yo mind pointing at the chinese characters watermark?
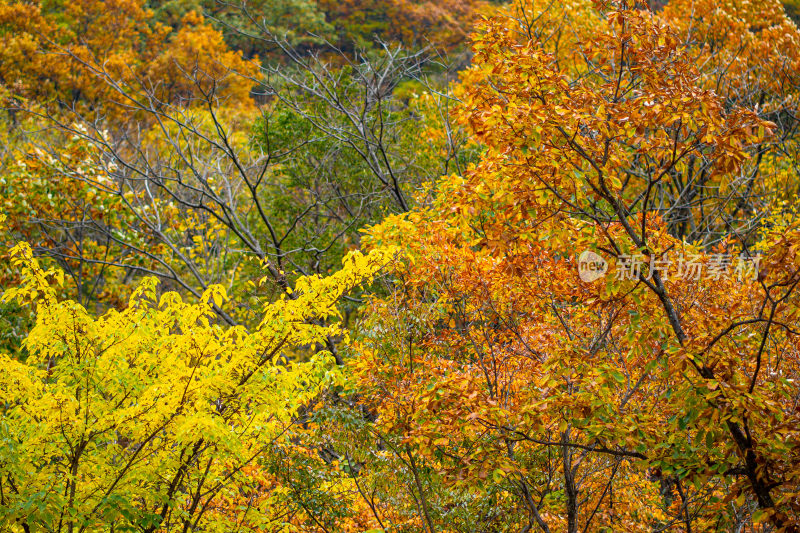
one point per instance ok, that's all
(691, 267)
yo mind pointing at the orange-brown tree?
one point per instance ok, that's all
(653, 398)
(57, 53)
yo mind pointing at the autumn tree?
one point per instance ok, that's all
(590, 324)
(207, 191)
(444, 25)
(647, 399)
(54, 52)
(152, 418)
(54, 183)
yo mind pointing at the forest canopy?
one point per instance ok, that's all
(394, 266)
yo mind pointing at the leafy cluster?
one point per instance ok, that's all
(191, 340)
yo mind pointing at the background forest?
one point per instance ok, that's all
(319, 266)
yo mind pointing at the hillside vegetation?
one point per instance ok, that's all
(393, 266)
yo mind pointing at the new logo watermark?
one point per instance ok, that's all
(591, 266)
